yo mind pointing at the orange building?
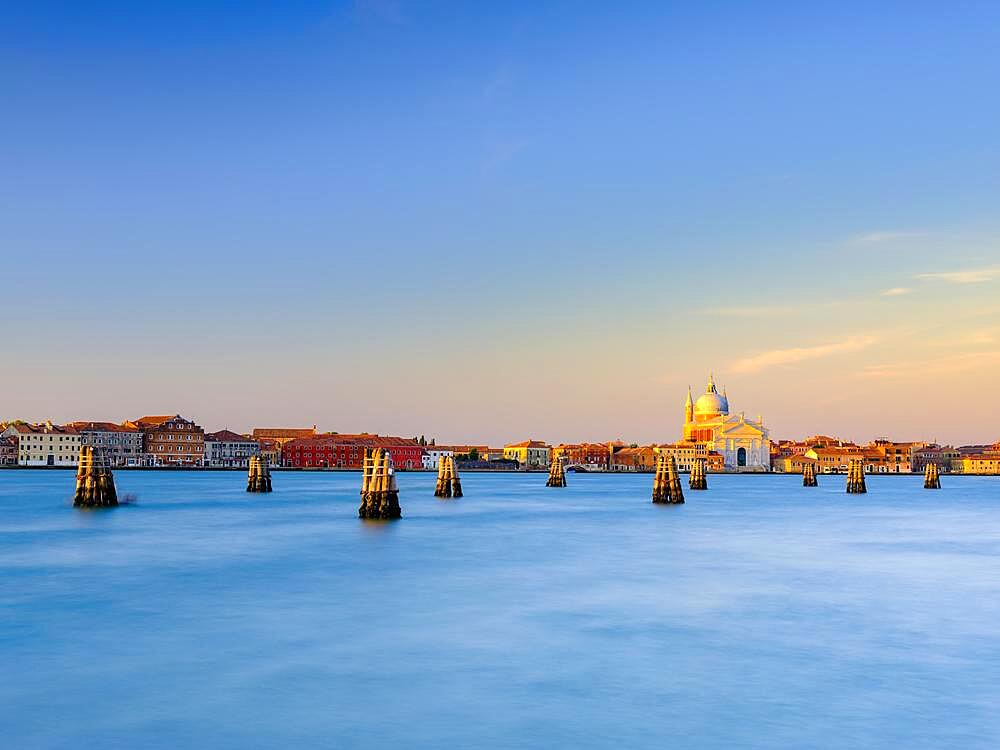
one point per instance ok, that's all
(639, 458)
(591, 455)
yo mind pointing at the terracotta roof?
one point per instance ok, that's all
(23, 428)
(284, 432)
(527, 444)
(227, 436)
(363, 440)
(102, 427)
(153, 421)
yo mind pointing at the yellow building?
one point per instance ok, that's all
(531, 454)
(977, 463)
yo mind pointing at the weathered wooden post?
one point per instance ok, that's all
(379, 494)
(809, 475)
(456, 483)
(856, 477)
(95, 484)
(557, 473)
(699, 478)
(448, 483)
(932, 479)
(258, 475)
(667, 482)
(443, 486)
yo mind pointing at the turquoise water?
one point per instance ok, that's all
(758, 615)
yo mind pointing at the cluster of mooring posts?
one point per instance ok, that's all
(95, 485)
(667, 482)
(259, 475)
(699, 478)
(448, 483)
(809, 476)
(557, 474)
(856, 477)
(379, 494)
(932, 480)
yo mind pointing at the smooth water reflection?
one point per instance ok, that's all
(759, 614)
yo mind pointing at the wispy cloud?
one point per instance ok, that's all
(896, 291)
(930, 368)
(968, 276)
(764, 311)
(777, 357)
(878, 238)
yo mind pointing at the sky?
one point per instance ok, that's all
(493, 221)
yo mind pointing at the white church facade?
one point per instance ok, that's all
(744, 444)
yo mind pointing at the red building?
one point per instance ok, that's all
(348, 451)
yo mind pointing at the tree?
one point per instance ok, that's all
(473, 454)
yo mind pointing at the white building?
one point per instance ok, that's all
(745, 444)
(45, 444)
(227, 448)
(121, 444)
(432, 456)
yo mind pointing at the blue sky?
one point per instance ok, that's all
(490, 221)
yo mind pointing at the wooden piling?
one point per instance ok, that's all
(557, 473)
(932, 477)
(443, 486)
(699, 477)
(379, 493)
(448, 483)
(258, 475)
(95, 484)
(856, 477)
(809, 475)
(667, 481)
(456, 483)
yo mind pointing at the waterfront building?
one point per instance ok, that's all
(8, 450)
(45, 444)
(743, 444)
(978, 463)
(228, 448)
(172, 440)
(433, 454)
(348, 451)
(896, 458)
(687, 452)
(530, 454)
(282, 435)
(591, 456)
(634, 458)
(940, 456)
(795, 464)
(120, 444)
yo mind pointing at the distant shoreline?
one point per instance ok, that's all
(335, 470)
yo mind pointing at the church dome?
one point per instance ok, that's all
(710, 403)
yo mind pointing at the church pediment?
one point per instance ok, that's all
(742, 429)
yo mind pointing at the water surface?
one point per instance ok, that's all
(758, 615)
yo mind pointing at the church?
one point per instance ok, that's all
(743, 443)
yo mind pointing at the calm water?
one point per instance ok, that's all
(760, 614)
